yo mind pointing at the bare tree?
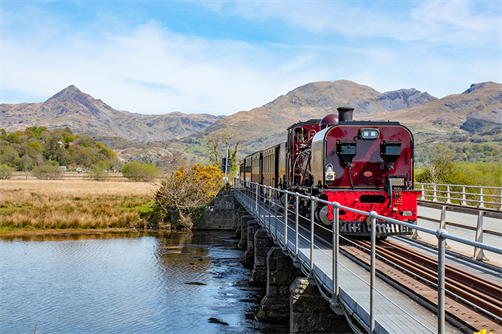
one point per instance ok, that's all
(218, 142)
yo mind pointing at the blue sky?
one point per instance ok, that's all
(221, 57)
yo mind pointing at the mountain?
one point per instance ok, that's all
(475, 110)
(481, 101)
(85, 114)
(266, 125)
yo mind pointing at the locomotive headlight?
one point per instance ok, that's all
(370, 133)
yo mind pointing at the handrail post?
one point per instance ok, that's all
(448, 199)
(464, 197)
(270, 209)
(372, 277)
(481, 198)
(285, 221)
(336, 249)
(478, 252)
(434, 199)
(441, 280)
(442, 222)
(296, 226)
(275, 208)
(256, 203)
(270, 213)
(500, 208)
(311, 236)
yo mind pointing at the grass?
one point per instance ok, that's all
(29, 205)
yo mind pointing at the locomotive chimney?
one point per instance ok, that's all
(345, 114)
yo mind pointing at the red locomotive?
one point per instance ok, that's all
(364, 165)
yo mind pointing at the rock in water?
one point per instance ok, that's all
(217, 321)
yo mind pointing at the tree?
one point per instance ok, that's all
(5, 171)
(440, 167)
(217, 144)
(98, 172)
(26, 164)
(8, 154)
(136, 171)
(188, 188)
(47, 172)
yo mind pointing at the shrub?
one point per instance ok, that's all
(98, 172)
(47, 172)
(188, 189)
(5, 171)
(136, 171)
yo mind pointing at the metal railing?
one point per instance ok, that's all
(265, 205)
(465, 195)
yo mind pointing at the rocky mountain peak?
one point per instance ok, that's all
(475, 87)
(71, 95)
(403, 99)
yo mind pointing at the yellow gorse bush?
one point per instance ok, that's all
(190, 187)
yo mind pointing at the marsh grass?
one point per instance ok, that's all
(73, 204)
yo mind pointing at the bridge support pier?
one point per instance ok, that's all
(240, 213)
(280, 273)
(262, 244)
(243, 243)
(310, 312)
(248, 257)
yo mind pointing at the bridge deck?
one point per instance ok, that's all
(395, 312)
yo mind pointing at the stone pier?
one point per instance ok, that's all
(310, 312)
(248, 257)
(240, 212)
(243, 243)
(262, 244)
(281, 272)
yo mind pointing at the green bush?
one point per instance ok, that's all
(47, 172)
(5, 171)
(98, 172)
(136, 171)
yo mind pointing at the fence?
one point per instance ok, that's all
(465, 195)
(278, 211)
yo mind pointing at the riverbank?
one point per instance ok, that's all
(48, 207)
(9, 232)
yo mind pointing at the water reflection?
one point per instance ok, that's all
(139, 282)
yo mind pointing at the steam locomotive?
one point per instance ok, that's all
(364, 165)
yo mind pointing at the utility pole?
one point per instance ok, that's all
(226, 164)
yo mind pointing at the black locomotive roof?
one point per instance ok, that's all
(310, 121)
(368, 123)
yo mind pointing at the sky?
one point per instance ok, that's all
(221, 57)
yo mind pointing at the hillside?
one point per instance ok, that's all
(481, 101)
(87, 115)
(472, 116)
(266, 125)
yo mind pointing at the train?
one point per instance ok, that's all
(365, 165)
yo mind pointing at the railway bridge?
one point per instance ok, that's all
(411, 284)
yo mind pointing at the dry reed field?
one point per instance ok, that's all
(78, 204)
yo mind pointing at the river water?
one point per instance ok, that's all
(139, 282)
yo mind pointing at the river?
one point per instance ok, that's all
(137, 282)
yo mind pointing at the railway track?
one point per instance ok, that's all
(470, 297)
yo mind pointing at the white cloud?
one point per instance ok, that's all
(146, 67)
(149, 70)
(459, 23)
